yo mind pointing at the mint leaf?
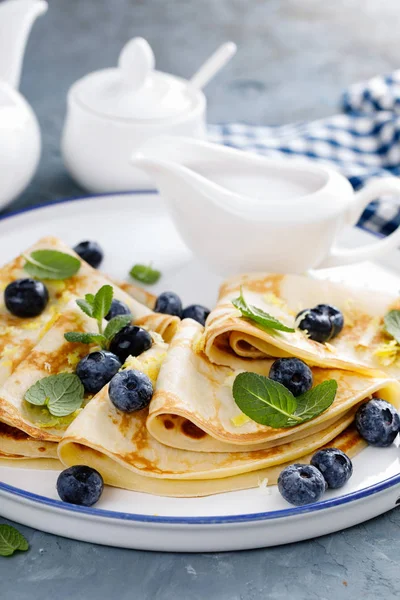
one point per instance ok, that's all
(145, 274)
(85, 307)
(262, 318)
(269, 403)
(315, 401)
(85, 338)
(116, 324)
(51, 264)
(62, 394)
(263, 400)
(102, 303)
(392, 324)
(90, 299)
(11, 540)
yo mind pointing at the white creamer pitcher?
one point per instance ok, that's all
(239, 212)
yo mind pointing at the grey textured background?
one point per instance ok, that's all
(295, 57)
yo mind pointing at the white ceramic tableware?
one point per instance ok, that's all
(113, 111)
(19, 129)
(239, 212)
(232, 521)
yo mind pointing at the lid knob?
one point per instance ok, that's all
(136, 62)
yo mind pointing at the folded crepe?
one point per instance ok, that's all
(33, 348)
(186, 444)
(363, 346)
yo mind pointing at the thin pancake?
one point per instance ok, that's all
(234, 341)
(120, 446)
(193, 407)
(18, 444)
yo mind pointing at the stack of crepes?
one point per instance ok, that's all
(193, 440)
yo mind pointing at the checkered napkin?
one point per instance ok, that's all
(362, 143)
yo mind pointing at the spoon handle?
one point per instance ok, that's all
(213, 64)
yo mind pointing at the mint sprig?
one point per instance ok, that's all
(270, 403)
(11, 540)
(62, 394)
(259, 316)
(97, 307)
(392, 324)
(145, 274)
(51, 264)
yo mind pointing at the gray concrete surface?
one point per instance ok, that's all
(295, 57)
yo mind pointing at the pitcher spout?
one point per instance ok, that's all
(16, 20)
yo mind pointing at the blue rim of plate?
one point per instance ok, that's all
(217, 520)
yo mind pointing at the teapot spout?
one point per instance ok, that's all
(16, 20)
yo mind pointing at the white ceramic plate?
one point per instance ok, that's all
(136, 228)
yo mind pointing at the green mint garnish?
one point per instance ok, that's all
(116, 324)
(51, 264)
(270, 403)
(11, 540)
(62, 394)
(262, 318)
(97, 307)
(85, 338)
(145, 274)
(392, 324)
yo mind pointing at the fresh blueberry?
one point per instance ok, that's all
(169, 303)
(378, 422)
(318, 326)
(196, 312)
(130, 341)
(334, 315)
(91, 252)
(301, 484)
(335, 466)
(293, 373)
(80, 485)
(117, 308)
(26, 297)
(96, 369)
(130, 390)
(322, 323)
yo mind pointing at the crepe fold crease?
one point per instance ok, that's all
(234, 341)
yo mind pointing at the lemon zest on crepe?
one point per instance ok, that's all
(387, 352)
(150, 367)
(240, 420)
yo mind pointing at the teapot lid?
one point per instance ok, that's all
(134, 90)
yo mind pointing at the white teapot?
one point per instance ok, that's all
(19, 129)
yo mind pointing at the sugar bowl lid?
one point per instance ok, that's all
(135, 90)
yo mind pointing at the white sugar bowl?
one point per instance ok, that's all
(111, 113)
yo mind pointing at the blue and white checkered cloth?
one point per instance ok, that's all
(362, 143)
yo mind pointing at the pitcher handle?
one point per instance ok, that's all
(343, 256)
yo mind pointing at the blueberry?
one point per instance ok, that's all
(26, 297)
(322, 323)
(293, 373)
(91, 252)
(318, 326)
(335, 466)
(130, 390)
(130, 341)
(378, 422)
(334, 315)
(80, 485)
(196, 312)
(117, 308)
(169, 303)
(96, 369)
(301, 484)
